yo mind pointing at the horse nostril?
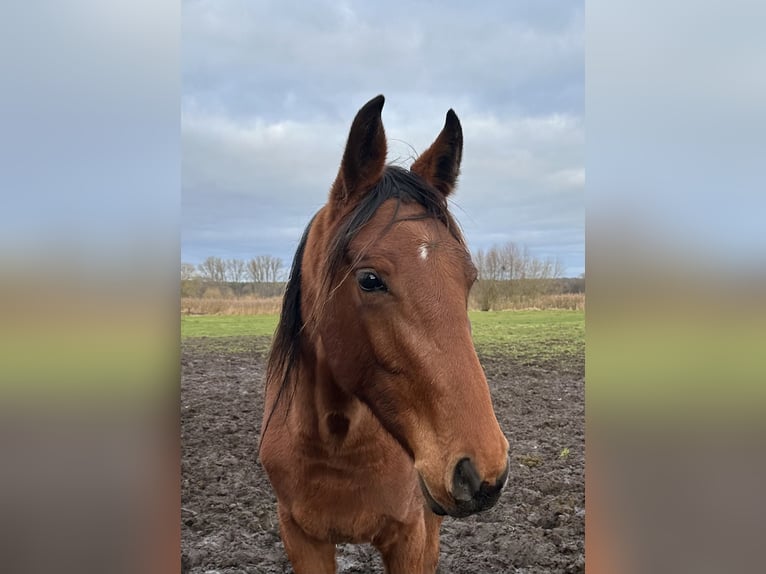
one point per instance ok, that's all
(465, 481)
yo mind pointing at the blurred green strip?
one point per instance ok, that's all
(88, 363)
(654, 364)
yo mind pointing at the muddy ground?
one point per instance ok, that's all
(228, 515)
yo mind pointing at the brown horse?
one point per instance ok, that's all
(378, 418)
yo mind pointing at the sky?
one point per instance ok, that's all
(269, 90)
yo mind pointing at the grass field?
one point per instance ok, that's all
(534, 337)
(228, 325)
(551, 338)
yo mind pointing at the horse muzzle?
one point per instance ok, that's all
(469, 493)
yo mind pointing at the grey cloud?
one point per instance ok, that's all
(269, 97)
(269, 58)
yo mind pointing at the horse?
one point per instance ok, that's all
(378, 420)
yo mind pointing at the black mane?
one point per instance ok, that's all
(396, 183)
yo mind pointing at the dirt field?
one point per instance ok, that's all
(228, 509)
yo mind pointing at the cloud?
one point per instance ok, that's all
(267, 58)
(269, 95)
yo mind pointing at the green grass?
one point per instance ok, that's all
(543, 338)
(679, 363)
(228, 326)
(551, 339)
(229, 333)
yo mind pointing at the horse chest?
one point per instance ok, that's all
(345, 500)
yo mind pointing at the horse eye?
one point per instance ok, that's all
(369, 281)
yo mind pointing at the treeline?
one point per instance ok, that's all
(509, 277)
(261, 276)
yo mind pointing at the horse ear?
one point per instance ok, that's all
(365, 156)
(439, 165)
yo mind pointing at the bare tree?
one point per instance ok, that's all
(486, 288)
(510, 271)
(256, 270)
(252, 271)
(488, 264)
(511, 259)
(235, 272)
(275, 267)
(213, 269)
(191, 282)
(188, 271)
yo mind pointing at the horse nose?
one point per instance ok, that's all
(465, 481)
(467, 486)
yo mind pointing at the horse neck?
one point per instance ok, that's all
(321, 409)
(321, 400)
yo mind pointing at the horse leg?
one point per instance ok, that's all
(307, 555)
(433, 524)
(402, 548)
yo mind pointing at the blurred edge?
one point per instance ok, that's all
(676, 272)
(89, 363)
(89, 328)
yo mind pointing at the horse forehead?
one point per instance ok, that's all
(399, 222)
(397, 209)
(403, 231)
(429, 247)
(419, 237)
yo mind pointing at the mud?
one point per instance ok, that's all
(228, 515)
